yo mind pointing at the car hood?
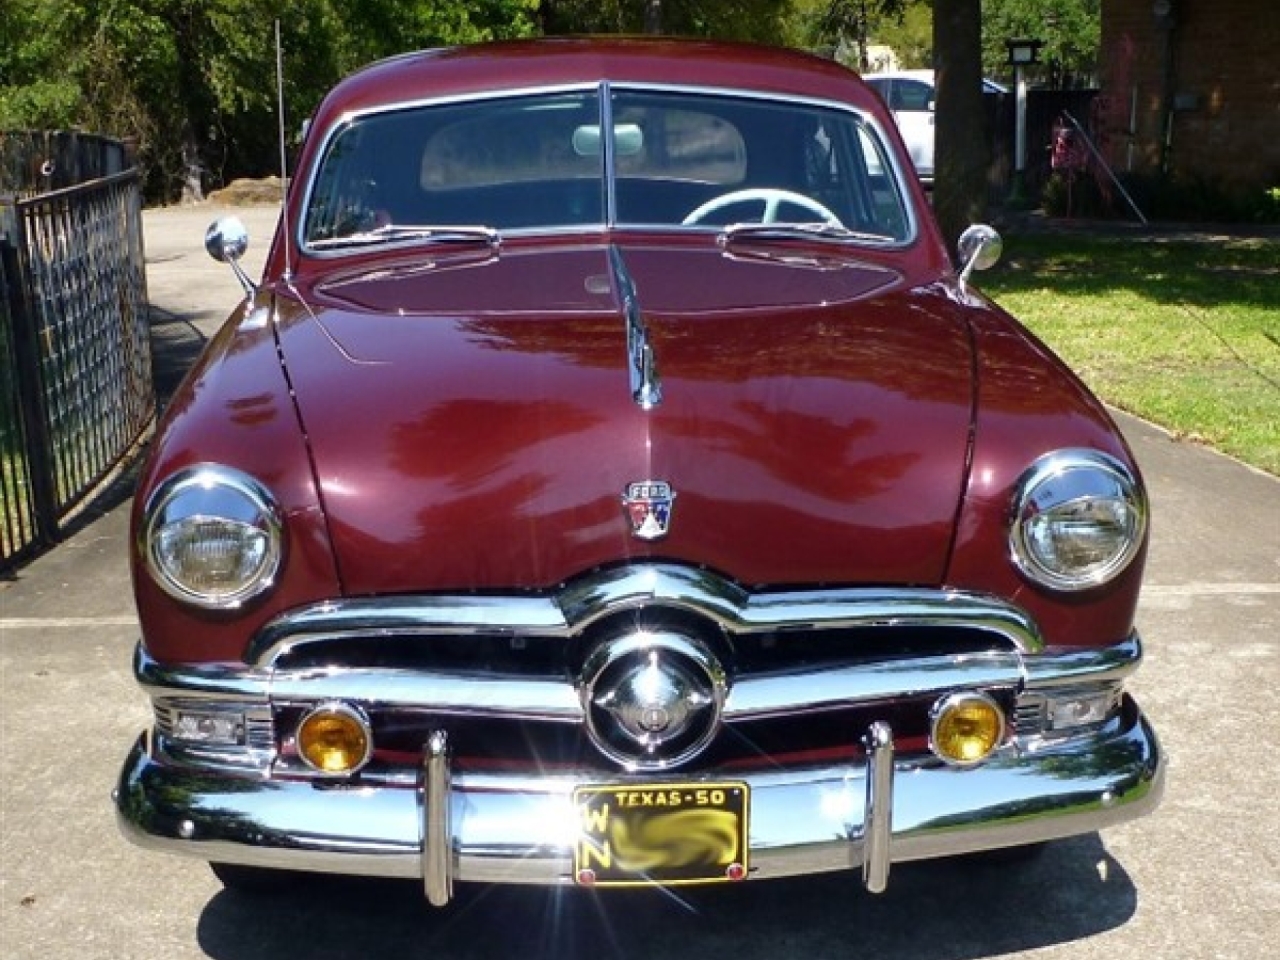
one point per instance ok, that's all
(472, 424)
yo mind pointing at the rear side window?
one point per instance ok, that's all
(663, 140)
(880, 85)
(912, 96)
(487, 144)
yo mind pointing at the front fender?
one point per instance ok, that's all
(1029, 404)
(235, 408)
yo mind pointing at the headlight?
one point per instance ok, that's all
(1079, 517)
(212, 536)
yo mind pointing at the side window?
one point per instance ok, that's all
(344, 198)
(887, 210)
(884, 87)
(912, 95)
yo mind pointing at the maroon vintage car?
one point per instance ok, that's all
(611, 482)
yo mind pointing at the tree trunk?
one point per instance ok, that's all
(961, 150)
(653, 17)
(192, 167)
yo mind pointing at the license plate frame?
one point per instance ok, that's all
(661, 833)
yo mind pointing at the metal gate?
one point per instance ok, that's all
(76, 392)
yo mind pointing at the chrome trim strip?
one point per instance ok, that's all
(454, 694)
(608, 150)
(206, 681)
(1070, 666)
(388, 616)
(837, 686)
(437, 821)
(886, 153)
(512, 828)
(556, 700)
(579, 604)
(877, 829)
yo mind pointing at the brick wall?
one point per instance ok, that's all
(1200, 99)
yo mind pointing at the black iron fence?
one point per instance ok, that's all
(76, 392)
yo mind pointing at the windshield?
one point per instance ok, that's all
(540, 162)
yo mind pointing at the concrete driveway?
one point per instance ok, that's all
(1199, 879)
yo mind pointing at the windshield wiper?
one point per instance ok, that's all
(799, 231)
(395, 233)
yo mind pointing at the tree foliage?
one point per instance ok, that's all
(909, 35)
(759, 20)
(844, 28)
(1069, 29)
(193, 81)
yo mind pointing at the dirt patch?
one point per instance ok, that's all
(240, 193)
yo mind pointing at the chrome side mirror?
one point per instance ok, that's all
(226, 240)
(979, 248)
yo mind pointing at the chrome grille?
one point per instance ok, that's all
(807, 669)
(164, 719)
(259, 729)
(1029, 715)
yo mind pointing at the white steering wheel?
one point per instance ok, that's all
(772, 197)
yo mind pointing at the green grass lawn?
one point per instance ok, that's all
(1185, 333)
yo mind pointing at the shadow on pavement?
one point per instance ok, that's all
(944, 911)
(175, 345)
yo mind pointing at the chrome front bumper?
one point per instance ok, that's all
(458, 825)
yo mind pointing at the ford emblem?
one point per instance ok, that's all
(648, 505)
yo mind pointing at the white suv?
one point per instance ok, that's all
(909, 94)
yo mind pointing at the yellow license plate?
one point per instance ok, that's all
(661, 833)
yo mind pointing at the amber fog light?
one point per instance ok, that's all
(335, 739)
(965, 728)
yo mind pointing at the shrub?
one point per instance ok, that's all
(1193, 198)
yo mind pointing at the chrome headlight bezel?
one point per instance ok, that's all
(227, 504)
(1090, 491)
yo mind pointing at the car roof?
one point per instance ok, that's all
(530, 64)
(927, 76)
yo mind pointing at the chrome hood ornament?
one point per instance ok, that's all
(648, 505)
(646, 384)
